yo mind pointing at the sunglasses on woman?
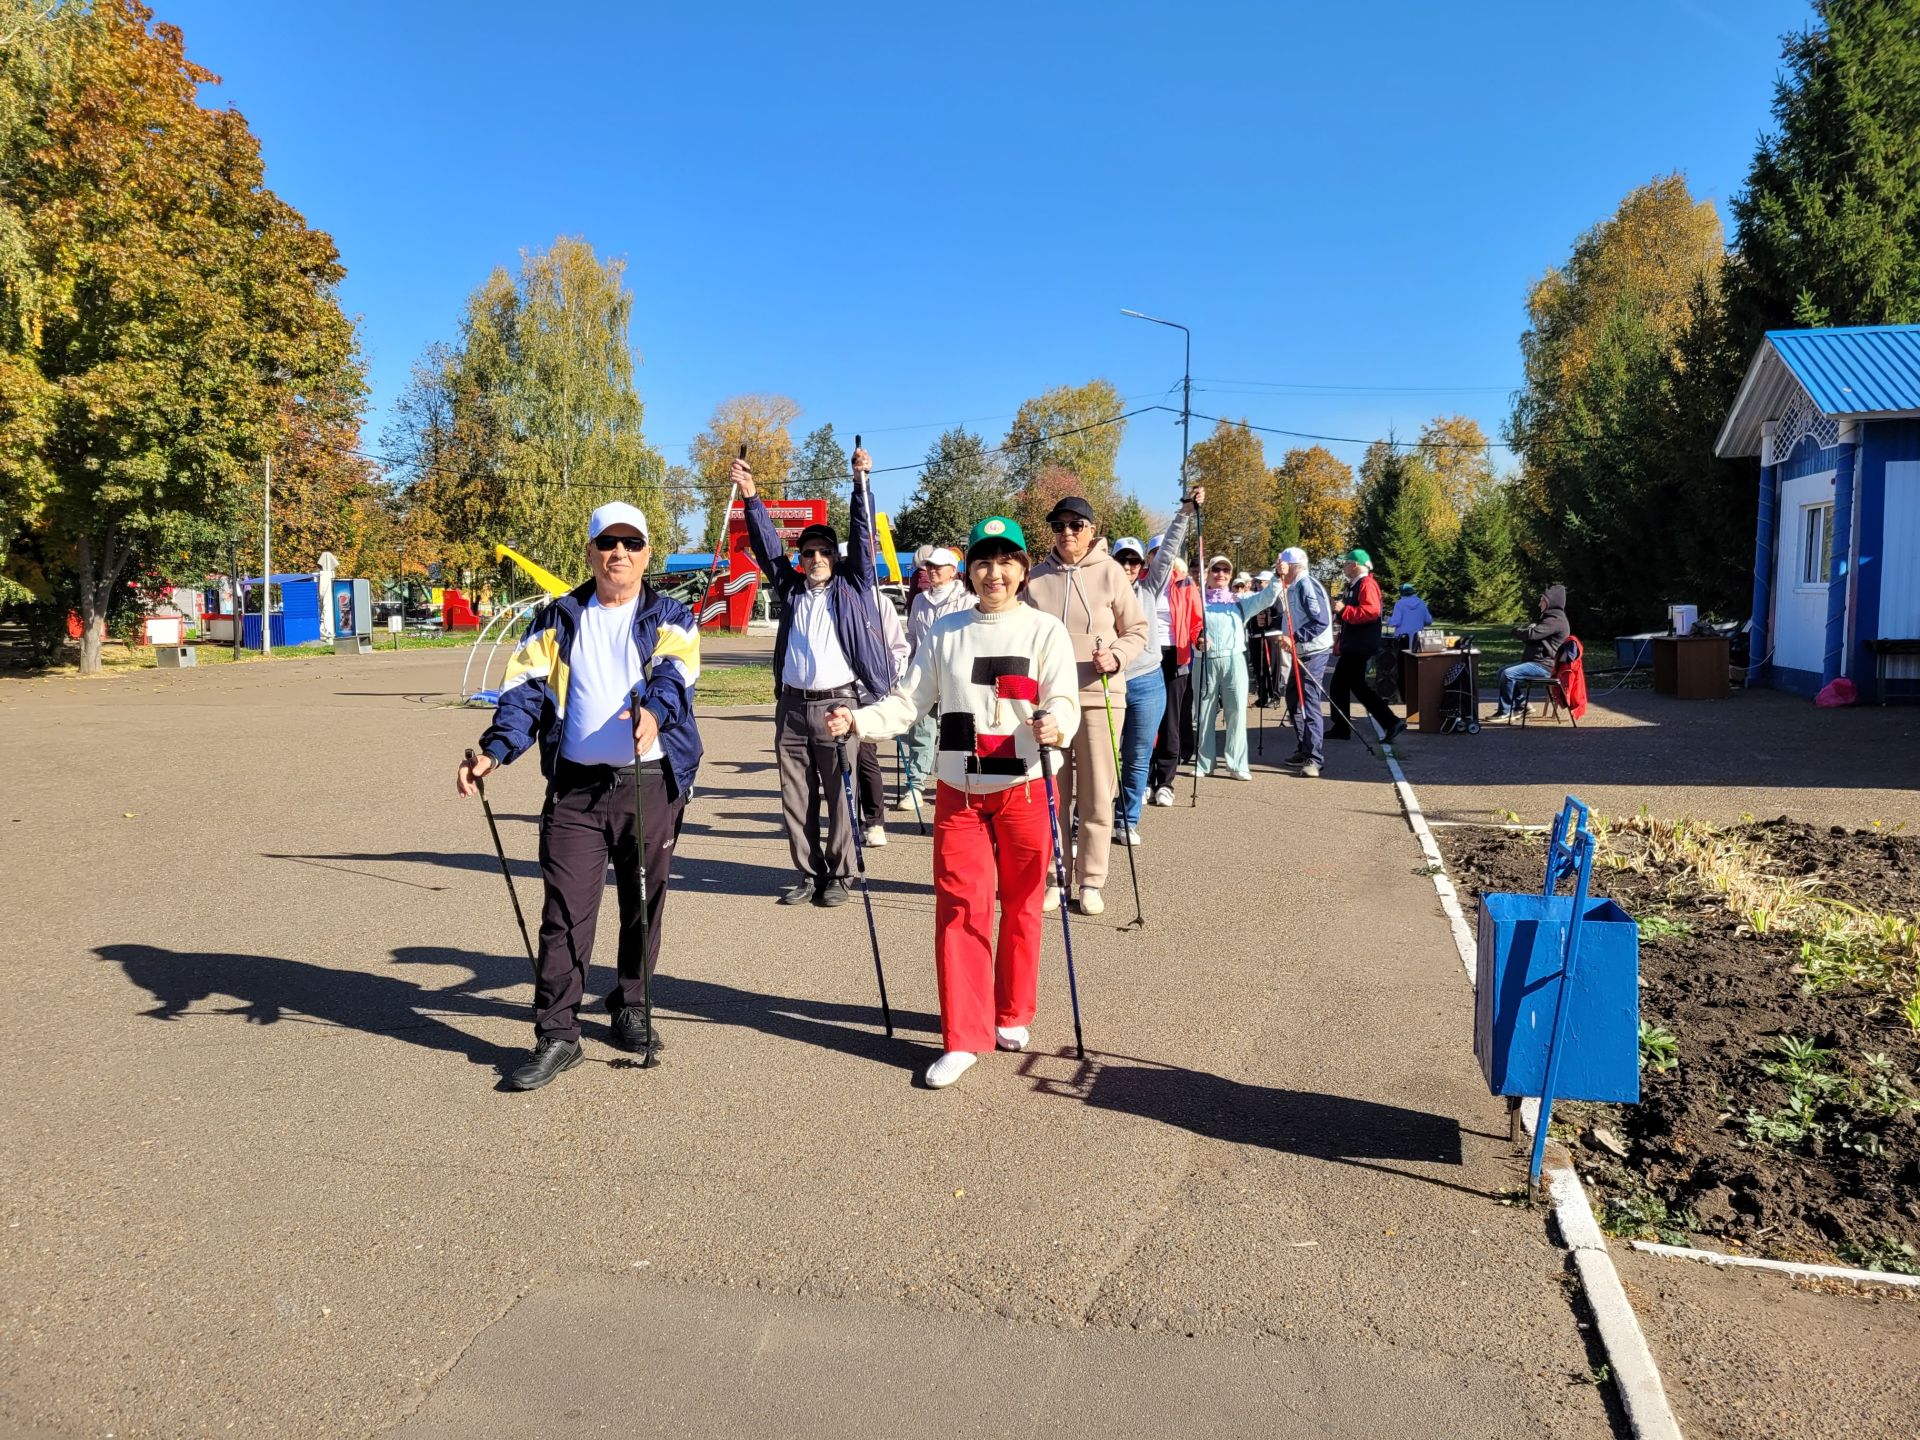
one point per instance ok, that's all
(632, 544)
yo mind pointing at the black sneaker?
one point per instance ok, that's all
(1395, 731)
(630, 1031)
(799, 894)
(550, 1057)
(1298, 757)
(833, 893)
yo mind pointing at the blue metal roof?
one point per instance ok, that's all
(1857, 370)
(1853, 372)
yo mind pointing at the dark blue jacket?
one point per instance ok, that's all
(850, 593)
(533, 693)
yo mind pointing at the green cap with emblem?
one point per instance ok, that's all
(995, 532)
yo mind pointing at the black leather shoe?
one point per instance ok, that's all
(1398, 729)
(630, 1031)
(833, 893)
(550, 1057)
(798, 894)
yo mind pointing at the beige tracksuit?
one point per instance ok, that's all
(1095, 601)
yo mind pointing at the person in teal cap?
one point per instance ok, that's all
(1002, 680)
(1360, 614)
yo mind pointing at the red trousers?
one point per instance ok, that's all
(978, 840)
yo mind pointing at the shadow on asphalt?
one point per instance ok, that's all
(732, 876)
(271, 989)
(1336, 1128)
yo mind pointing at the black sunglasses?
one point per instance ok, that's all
(1060, 527)
(816, 553)
(632, 544)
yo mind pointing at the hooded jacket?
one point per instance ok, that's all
(1547, 634)
(1095, 601)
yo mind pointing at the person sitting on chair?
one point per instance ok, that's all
(1543, 641)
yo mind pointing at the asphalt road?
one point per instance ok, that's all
(263, 979)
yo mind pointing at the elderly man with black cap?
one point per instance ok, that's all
(829, 645)
(572, 684)
(1084, 588)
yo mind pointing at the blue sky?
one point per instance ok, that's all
(907, 216)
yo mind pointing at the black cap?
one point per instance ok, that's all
(1072, 505)
(820, 532)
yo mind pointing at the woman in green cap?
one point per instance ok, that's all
(1002, 681)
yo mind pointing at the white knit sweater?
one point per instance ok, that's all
(985, 743)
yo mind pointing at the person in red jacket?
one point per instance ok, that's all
(1359, 642)
(1184, 623)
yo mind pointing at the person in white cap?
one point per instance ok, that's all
(1150, 568)
(1308, 630)
(943, 595)
(572, 686)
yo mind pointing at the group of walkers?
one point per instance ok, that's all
(1047, 701)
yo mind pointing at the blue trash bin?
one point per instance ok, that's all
(1522, 944)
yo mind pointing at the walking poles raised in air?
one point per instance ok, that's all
(1060, 879)
(648, 1059)
(860, 859)
(1139, 920)
(500, 850)
(1197, 671)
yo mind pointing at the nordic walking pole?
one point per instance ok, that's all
(1139, 920)
(648, 1059)
(860, 859)
(1199, 671)
(721, 543)
(1060, 879)
(500, 850)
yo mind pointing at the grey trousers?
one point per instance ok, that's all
(809, 764)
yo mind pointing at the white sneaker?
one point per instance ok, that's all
(1126, 835)
(1051, 901)
(1090, 901)
(1011, 1037)
(876, 836)
(1163, 797)
(951, 1065)
(907, 802)
(1243, 775)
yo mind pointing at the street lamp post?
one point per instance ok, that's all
(1199, 542)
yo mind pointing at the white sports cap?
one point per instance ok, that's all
(941, 555)
(1127, 542)
(1220, 562)
(1264, 576)
(1293, 555)
(1154, 544)
(616, 512)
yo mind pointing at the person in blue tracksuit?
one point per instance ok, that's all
(1223, 678)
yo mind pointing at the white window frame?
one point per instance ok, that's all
(1815, 543)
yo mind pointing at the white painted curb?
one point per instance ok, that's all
(1635, 1375)
(1782, 1267)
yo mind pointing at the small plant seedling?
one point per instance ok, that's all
(1882, 1253)
(1660, 926)
(1659, 1048)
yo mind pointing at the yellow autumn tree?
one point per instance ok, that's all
(1455, 449)
(1322, 488)
(1238, 519)
(762, 423)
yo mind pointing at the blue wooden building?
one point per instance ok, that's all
(1834, 416)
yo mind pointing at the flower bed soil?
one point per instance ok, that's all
(1730, 996)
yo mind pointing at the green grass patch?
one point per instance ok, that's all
(735, 685)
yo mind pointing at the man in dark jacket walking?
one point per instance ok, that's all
(572, 685)
(1359, 642)
(828, 645)
(1542, 650)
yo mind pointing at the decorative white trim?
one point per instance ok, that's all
(1783, 1267)
(1801, 418)
(1768, 447)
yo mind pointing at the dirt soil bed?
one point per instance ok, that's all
(1813, 1154)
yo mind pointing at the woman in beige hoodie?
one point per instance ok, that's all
(1086, 590)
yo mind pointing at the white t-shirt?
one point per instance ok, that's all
(1162, 620)
(604, 668)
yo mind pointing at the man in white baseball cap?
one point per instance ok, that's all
(603, 682)
(943, 595)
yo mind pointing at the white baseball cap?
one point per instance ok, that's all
(1128, 542)
(941, 555)
(1293, 555)
(616, 512)
(1154, 544)
(1264, 576)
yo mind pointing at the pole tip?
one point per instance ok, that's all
(743, 449)
(856, 442)
(471, 757)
